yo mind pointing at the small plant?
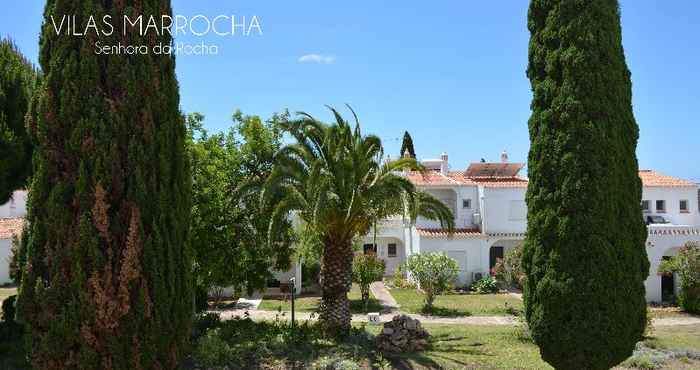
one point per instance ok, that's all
(486, 285)
(366, 269)
(434, 272)
(687, 265)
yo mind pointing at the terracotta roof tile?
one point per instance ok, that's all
(433, 178)
(10, 227)
(653, 178)
(442, 233)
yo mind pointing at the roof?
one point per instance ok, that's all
(456, 178)
(655, 179)
(442, 233)
(459, 178)
(10, 227)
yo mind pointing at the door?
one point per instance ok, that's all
(668, 293)
(370, 248)
(495, 254)
(461, 258)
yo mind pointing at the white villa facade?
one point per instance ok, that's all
(488, 201)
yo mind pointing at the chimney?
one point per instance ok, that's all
(444, 166)
(504, 156)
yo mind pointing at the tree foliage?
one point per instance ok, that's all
(435, 273)
(407, 145)
(585, 253)
(509, 271)
(333, 178)
(687, 265)
(18, 80)
(229, 223)
(107, 281)
(366, 269)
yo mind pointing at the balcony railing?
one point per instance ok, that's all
(673, 230)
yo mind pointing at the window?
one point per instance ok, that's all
(684, 206)
(370, 248)
(466, 203)
(645, 206)
(517, 211)
(391, 250)
(661, 206)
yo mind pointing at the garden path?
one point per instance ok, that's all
(259, 315)
(382, 295)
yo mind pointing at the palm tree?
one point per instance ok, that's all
(422, 204)
(332, 177)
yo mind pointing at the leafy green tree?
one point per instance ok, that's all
(333, 178)
(407, 145)
(366, 269)
(434, 272)
(17, 82)
(229, 226)
(107, 282)
(585, 255)
(687, 265)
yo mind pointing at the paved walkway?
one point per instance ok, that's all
(383, 317)
(381, 293)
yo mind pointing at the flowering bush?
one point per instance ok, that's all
(434, 272)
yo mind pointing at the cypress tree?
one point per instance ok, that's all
(584, 255)
(17, 80)
(107, 284)
(407, 144)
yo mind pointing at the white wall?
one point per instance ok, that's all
(469, 252)
(673, 196)
(383, 252)
(16, 207)
(504, 210)
(657, 247)
(5, 252)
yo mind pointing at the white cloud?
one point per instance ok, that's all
(317, 58)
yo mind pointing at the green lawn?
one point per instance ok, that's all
(472, 347)
(451, 305)
(310, 303)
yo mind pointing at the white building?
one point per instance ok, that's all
(11, 220)
(488, 201)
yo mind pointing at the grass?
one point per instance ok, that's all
(451, 347)
(310, 303)
(451, 305)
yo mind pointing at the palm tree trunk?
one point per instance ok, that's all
(335, 280)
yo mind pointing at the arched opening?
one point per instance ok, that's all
(669, 282)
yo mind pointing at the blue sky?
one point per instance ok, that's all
(452, 73)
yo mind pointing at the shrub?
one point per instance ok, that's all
(434, 272)
(212, 350)
(509, 271)
(366, 269)
(399, 281)
(486, 285)
(687, 265)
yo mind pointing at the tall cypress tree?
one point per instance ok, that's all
(17, 81)
(407, 145)
(585, 250)
(107, 280)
